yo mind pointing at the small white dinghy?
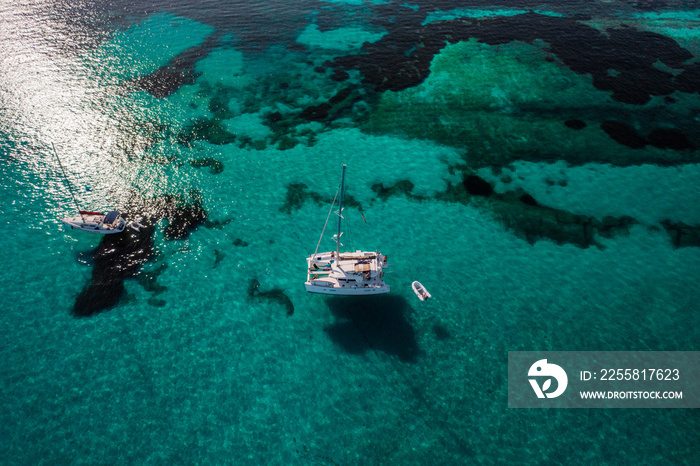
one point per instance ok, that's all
(420, 291)
(136, 226)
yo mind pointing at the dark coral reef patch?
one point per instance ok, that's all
(402, 58)
(670, 138)
(520, 212)
(404, 187)
(215, 165)
(275, 295)
(211, 130)
(663, 138)
(575, 124)
(185, 217)
(299, 193)
(178, 72)
(624, 134)
(682, 235)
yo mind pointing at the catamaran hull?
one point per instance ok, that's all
(347, 291)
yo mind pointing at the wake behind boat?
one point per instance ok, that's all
(348, 273)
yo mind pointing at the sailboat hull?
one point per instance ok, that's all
(92, 224)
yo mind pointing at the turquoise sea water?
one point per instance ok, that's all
(248, 111)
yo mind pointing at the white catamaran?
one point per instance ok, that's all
(349, 273)
(91, 222)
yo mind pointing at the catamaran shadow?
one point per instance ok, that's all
(373, 322)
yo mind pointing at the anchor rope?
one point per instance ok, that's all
(66, 182)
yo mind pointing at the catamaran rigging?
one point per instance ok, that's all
(347, 273)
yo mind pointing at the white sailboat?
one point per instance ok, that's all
(91, 222)
(96, 222)
(356, 273)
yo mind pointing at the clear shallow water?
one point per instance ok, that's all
(188, 367)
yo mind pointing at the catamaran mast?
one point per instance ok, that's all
(340, 211)
(65, 177)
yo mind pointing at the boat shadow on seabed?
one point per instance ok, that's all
(120, 256)
(378, 323)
